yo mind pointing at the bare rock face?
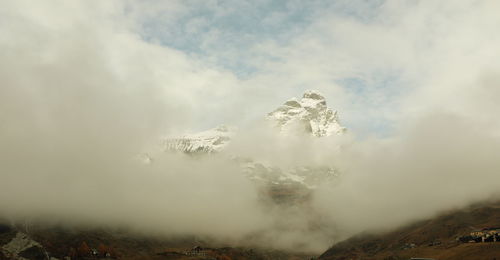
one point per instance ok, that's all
(310, 115)
(23, 247)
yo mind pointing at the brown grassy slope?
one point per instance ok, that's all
(58, 241)
(443, 229)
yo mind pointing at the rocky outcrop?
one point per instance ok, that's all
(309, 114)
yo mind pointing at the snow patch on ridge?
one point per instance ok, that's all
(213, 140)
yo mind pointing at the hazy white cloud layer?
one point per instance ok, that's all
(86, 85)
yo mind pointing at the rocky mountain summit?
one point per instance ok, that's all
(309, 114)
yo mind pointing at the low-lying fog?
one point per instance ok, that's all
(82, 93)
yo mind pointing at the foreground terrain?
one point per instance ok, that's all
(37, 242)
(436, 238)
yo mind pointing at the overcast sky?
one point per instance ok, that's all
(377, 62)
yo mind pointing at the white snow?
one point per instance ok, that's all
(209, 141)
(310, 115)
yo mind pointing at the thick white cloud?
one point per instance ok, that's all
(406, 57)
(83, 89)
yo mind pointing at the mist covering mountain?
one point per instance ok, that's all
(301, 119)
(88, 87)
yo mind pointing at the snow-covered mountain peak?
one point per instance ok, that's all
(313, 94)
(309, 114)
(212, 140)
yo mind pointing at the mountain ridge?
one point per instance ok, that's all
(309, 116)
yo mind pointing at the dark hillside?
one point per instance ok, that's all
(433, 238)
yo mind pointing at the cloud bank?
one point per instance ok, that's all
(83, 90)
